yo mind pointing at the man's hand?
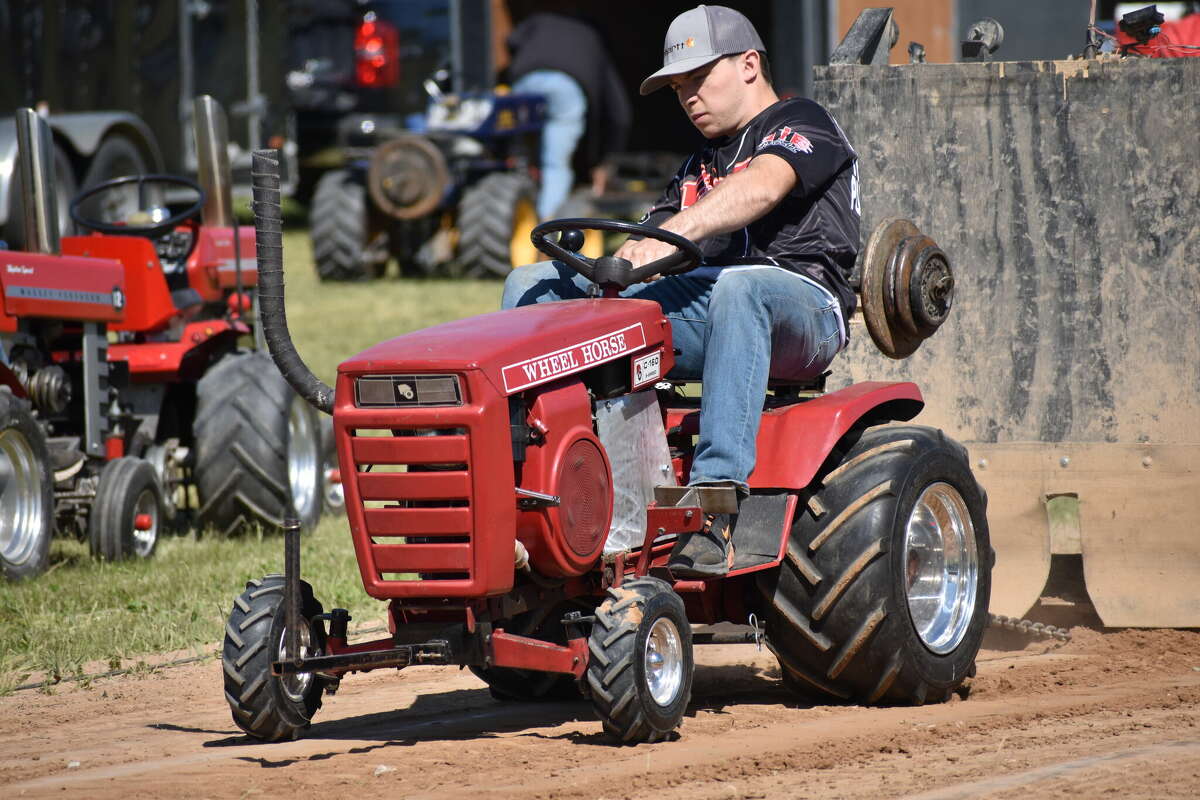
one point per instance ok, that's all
(643, 252)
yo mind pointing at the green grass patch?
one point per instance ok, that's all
(83, 611)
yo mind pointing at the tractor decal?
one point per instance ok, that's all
(574, 358)
(647, 369)
(62, 295)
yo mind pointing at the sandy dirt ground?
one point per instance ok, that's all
(1112, 713)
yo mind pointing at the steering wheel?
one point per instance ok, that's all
(150, 231)
(611, 272)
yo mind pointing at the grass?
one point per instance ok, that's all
(84, 611)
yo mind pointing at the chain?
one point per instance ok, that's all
(1035, 630)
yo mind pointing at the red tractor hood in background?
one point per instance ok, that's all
(527, 346)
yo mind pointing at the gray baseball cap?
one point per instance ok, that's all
(700, 36)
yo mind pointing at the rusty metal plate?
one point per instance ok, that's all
(407, 177)
(879, 267)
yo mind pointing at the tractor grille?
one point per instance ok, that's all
(414, 486)
(429, 488)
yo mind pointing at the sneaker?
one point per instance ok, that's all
(707, 553)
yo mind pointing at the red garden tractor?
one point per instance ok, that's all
(123, 380)
(514, 483)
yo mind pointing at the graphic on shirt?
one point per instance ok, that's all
(788, 139)
(693, 189)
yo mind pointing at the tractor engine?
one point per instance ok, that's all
(470, 450)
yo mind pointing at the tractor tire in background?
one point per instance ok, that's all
(258, 447)
(26, 500)
(580, 204)
(883, 596)
(116, 157)
(128, 512)
(269, 707)
(332, 491)
(495, 217)
(339, 224)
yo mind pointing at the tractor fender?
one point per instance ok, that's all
(795, 440)
(80, 135)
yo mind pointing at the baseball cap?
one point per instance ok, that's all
(699, 36)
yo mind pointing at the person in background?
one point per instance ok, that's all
(564, 60)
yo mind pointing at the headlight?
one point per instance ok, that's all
(392, 391)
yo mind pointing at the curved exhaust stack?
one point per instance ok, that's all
(268, 232)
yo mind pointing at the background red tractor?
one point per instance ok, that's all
(125, 380)
(514, 483)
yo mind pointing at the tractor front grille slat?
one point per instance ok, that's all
(414, 486)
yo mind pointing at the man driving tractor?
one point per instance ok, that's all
(772, 200)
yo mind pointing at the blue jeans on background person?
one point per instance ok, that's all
(566, 115)
(733, 333)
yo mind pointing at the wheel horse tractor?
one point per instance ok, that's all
(514, 483)
(123, 383)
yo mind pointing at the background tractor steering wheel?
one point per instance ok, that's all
(150, 230)
(611, 273)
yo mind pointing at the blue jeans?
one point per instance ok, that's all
(566, 114)
(733, 333)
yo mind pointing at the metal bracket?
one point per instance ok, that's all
(529, 500)
(710, 499)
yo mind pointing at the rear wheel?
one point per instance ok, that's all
(883, 596)
(341, 234)
(128, 512)
(270, 707)
(258, 447)
(116, 157)
(26, 504)
(640, 671)
(495, 218)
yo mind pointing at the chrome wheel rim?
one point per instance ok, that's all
(22, 520)
(296, 685)
(143, 541)
(664, 661)
(941, 564)
(303, 460)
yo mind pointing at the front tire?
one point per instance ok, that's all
(269, 707)
(26, 502)
(128, 512)
(883, 596)
(258, 447)
(640, 672)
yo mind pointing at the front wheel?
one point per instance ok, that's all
(270, 707)
(639, 674)
(883, 596)
(128, 513)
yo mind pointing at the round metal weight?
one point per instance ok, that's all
(930, 290)
(879, 269)
(906, 258)
(407, 177)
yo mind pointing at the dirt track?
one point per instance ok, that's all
(1106, 713)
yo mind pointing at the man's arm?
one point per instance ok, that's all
(738, 200)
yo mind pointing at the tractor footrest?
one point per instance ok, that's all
(710, 499)
(399, 657)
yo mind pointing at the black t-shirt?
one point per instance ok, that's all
(812, 231)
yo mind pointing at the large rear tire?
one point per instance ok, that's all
(340, 229)
(26, 502)
(258, 447)
(270, 707)
(495, 218)
(640, 671)
(883, 596)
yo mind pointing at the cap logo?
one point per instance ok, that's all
(689, 42)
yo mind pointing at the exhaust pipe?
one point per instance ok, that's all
(212, 161)
(35, 149)
(268, 231)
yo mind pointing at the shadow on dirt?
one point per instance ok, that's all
(469, 714)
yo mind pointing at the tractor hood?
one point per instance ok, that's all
(524, 347)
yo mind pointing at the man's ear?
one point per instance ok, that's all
(751, 65)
